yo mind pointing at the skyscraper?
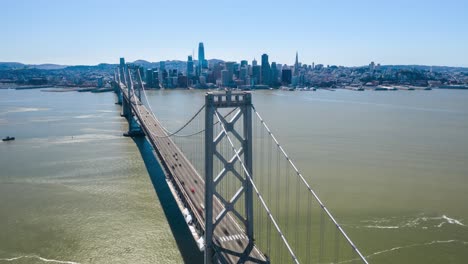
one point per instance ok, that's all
(296, 65)
(256, 74)
(202, 63)
(243, 74)
(274, 74)
(254, 62)
(189, 66)
(243, 63)
(230, 67)
(286, 76)
(225, 78)
(266, 78)
(149, 78)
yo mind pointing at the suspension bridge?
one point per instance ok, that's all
(242, 197)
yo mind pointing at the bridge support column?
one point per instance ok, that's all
(134, 129)
(119, 97)
(243, 102)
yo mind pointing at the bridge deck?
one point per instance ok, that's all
(229, 235)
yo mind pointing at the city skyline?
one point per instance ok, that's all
(335, 33)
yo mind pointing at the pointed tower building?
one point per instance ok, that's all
(296, 65)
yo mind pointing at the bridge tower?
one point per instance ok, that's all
(214, 102)
(116, 84)
(134, 129)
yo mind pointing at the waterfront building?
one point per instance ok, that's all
(156, 79)
(256, 74)
(164, 77)
(225, 78)
(189, 66)
(243, 74)
(286, 76)
(182, 81)
(236, 70)
(295, 81)
(274, 74)
(162, 69)
(149, 78)
(216, 72)
(230, 67)
(202, 80)
(265, 79)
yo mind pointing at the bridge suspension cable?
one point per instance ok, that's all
(169, 133)
(175, 133)
(259, 195)
(309, 188)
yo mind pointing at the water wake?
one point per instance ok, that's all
(407, 246)
(382, 227)
(84, 138)
(417, 245)
(24, 109)
(39, 258)
(424, 222)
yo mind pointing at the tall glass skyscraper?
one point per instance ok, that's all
(202, 63)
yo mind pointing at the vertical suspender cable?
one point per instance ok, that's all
(259, 195)
(311, 190)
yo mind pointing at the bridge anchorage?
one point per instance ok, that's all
(242, 197)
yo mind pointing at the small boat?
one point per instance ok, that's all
(8, 138)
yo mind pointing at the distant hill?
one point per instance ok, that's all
(17, 65)
(427, 68)
(11, 65)
(48, 66)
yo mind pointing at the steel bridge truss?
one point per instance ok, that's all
(214, 102)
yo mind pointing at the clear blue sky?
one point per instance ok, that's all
(327, 31)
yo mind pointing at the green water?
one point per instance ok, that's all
(391, 166)
(72, 188)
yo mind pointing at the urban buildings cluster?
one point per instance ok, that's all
(210, 74)
(214, 73)
(202, 74)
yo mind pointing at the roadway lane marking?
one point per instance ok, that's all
(233, 237)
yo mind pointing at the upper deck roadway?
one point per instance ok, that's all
(228, 235)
